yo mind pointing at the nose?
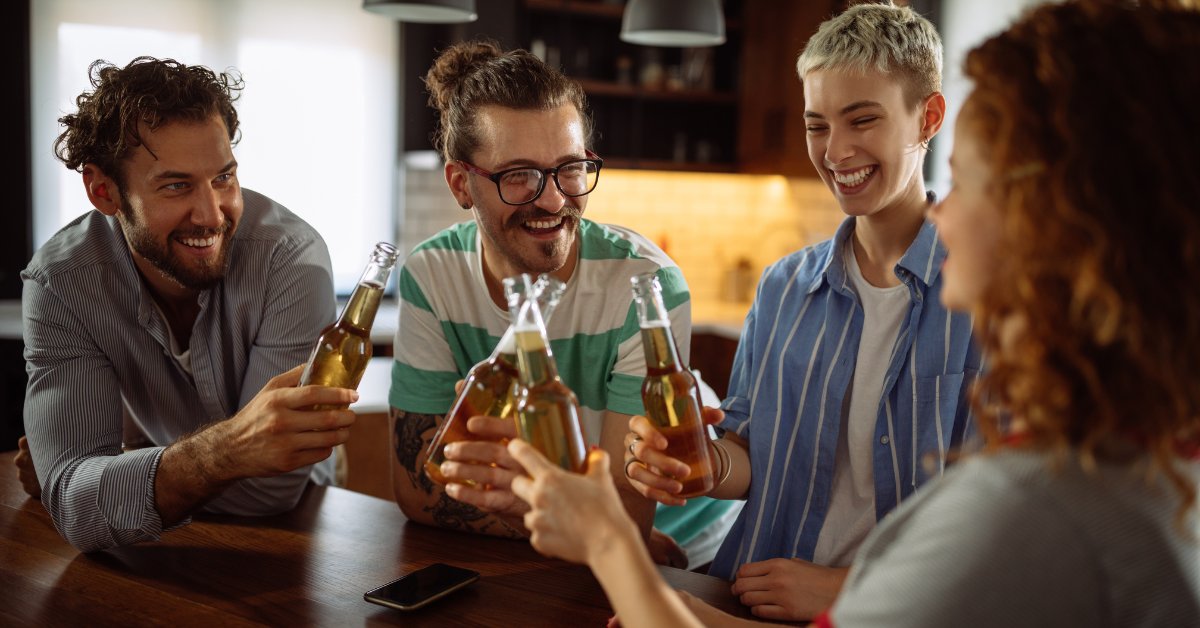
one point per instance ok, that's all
(552, 199)
(838, 147)
(208, 211)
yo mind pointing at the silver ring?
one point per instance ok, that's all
(627, 468)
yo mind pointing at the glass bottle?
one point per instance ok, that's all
(491, 386)
(670, 393)
(343, 349)
(547, 411)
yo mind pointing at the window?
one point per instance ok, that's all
(318, 115)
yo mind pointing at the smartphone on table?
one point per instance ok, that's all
(416, 589)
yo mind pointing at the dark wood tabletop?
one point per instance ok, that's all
(310, 566)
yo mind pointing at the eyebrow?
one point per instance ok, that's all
(179, 174)
(525, 163)
(854, 106)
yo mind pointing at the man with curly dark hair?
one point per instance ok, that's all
(178, 308)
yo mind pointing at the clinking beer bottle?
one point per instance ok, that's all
(491, 387)
(670, 393)
(547, 411)
(344, 348)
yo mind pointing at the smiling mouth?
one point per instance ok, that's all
(199, 243)
(852, 179)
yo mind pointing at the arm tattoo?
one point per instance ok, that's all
(409, 440)
(411, 436)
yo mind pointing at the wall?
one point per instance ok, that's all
(706, 222)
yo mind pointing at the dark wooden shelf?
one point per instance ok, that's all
(622, 90)
(625, 163)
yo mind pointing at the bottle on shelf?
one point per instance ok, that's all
(343, 349)
(670, 393)
(491, 386)
(547, 410)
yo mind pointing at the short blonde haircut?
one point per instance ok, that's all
(890, 39)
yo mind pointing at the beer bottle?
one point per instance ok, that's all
(670, 393)
(491, 386)
(547, 411)
(344, 348)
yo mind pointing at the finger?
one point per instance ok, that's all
(481, 452)
(23, 444)
(597, 464)
(532, 460)
(669, 498)
(711, 416)
(489, 501)
(759, 568)
(672, 467)
(642, 426)
(319, 439)
(478, 474)
(759, 598)
(492, 427)
(458, 386)
(315, 420)
(307, 396)
(522, 487)
(771, 611)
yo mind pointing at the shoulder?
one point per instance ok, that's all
(606, 251)
(91, 239)
(800, 272)
(449, 252)
(267, 221)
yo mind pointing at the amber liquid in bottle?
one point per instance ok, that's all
(547, 410)
(491, 387)
(670, 393)
(343, 349)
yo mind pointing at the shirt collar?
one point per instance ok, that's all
(923, 259)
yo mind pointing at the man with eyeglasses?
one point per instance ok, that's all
(514, 134)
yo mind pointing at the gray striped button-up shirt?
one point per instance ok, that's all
(94, 341)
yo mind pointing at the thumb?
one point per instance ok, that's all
(286, 379)
(597, 464)
(534, 462)
(712, 416)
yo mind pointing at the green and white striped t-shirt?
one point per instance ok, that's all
(448, 323)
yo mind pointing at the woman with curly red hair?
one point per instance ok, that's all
(1073, 237)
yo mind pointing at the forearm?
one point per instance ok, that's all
(736, 476)
(425, 501)
(638, 593)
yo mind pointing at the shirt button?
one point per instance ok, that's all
(883, 440)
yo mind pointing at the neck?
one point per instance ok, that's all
(882, 238)
(179, 304)
(495, 269)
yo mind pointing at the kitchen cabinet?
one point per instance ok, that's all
(653, 107)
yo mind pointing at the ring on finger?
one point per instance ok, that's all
(634, 461)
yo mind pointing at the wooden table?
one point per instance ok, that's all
(308, 567)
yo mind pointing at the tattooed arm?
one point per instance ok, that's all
(426, 502)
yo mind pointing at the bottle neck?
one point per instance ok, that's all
(659, 346)
(360, 310)
(534, 360)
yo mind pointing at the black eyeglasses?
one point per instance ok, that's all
(518, 186)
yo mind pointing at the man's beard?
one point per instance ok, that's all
(200, 275)
(549, 256)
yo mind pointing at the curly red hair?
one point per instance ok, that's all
(1088, 111)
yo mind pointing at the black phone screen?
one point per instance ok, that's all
(421, 586)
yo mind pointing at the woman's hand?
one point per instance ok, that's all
(573, 517)
(651, 471)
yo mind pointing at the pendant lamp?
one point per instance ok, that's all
(690, 23)
(425, 11)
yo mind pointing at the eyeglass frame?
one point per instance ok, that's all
(547, 173)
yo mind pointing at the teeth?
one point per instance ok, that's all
(544, 224)
(851, 179)
(199, 242)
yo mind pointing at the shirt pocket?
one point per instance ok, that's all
(937, 412)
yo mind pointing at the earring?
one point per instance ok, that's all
(466, 206)
(925, 144)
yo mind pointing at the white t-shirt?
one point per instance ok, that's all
(852, 504)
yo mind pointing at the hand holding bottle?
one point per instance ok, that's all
(650, 470)
(480, 471)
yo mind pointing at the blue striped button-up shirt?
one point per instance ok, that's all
(94, 341)
(789, 388)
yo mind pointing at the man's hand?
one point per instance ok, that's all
(276, 432)
(788, 589)
(651, 471)
(25, 470)
(480, 472)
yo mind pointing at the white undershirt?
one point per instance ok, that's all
(852, 504)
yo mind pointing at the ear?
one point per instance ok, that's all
(101, 190)
(934, 115)
(457, 179)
